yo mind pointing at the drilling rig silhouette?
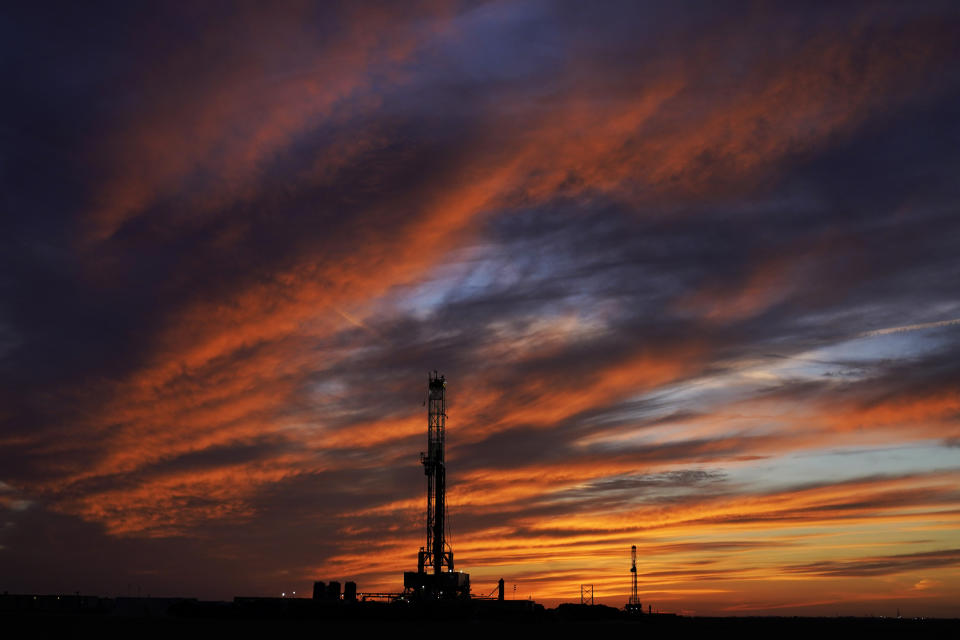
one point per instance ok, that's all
(435, 577)
(633, 604)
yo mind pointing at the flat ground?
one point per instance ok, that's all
(101, 627)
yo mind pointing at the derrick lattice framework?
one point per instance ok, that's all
(435, 554)
(435, 577)
(633, 604)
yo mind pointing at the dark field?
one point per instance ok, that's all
(43, 625)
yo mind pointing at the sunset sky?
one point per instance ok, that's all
(692, 270)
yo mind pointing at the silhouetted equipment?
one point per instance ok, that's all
(333, 590)
(350, 591)
(586, 594)
(633, 604)
(319, 590)
(435, 576)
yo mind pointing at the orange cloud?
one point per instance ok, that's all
(924, 414)
(226, 106)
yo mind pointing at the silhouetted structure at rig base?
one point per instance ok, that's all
(435, 577)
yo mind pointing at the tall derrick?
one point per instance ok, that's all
(435, 577)
(633, 604)
(436, 553)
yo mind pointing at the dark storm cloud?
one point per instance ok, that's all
(881, 565)
(672, 479)
(45, 552)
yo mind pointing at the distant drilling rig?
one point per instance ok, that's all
(435, 578)
(633, 604)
